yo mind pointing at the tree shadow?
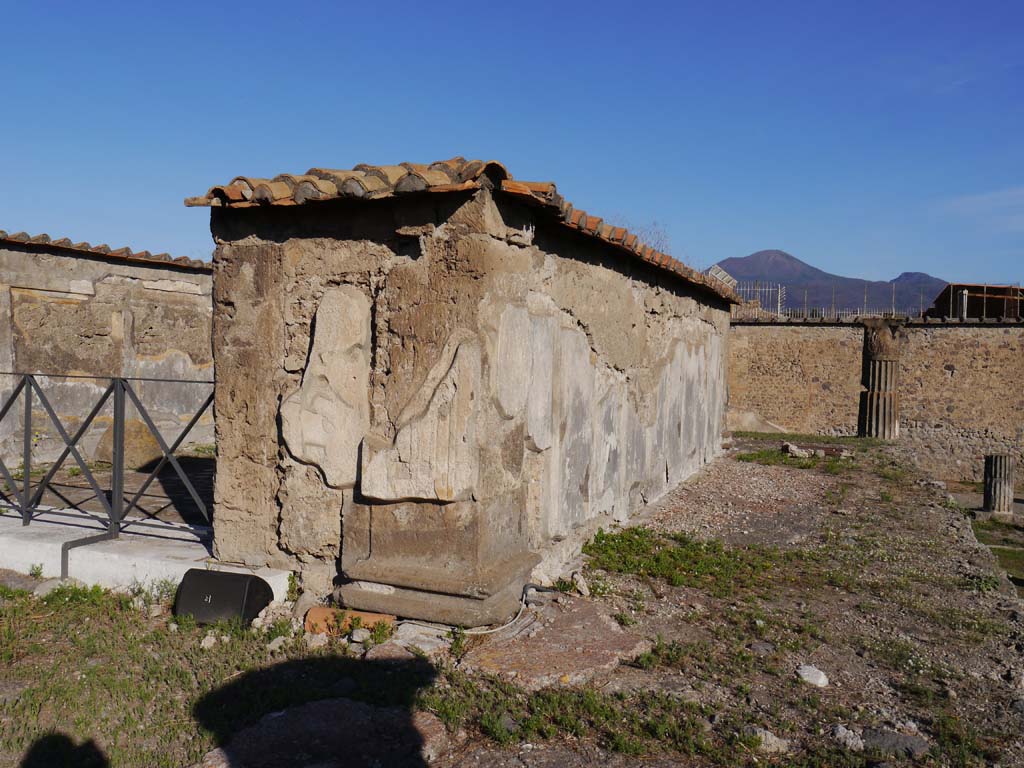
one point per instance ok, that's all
(55, 749)
(320, 711)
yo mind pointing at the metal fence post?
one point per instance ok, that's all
(26, 457)
(117, 468)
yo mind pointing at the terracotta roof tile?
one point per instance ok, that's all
(454, 175)
(104, 251)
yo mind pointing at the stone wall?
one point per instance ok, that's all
(960, 386)
(437, 396)
(804, 379)
(84, 315)
(962, 396)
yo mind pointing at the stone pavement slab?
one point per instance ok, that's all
(567, 641)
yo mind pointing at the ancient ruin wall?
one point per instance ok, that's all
(802, 379)
(961, 387)
(87, 316)
(962, 396)
(447, 395)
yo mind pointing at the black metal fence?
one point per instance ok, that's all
(24, 497)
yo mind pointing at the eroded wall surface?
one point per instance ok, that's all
(436, 398)
(62, 314)
(961, 387)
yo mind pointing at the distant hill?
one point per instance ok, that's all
(780, 267)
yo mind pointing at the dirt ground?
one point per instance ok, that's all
(891, 596)
(857, 572)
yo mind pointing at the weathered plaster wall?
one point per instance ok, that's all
(439, 395)
(961, 387)
(804, 379)
(85, 316)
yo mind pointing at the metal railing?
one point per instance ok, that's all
(25, 498)
(776, 301)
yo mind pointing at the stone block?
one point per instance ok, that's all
(325, 420)
(434, 455)
(510, 370)
(538, 403)
(311, 513)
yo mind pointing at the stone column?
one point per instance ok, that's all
(880, 403)
(999, 471)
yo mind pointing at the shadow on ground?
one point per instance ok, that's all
(322, 711)
(166, 498)
(57, 749)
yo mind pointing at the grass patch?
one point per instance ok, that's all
(772, 457)
(682, 560)
(959, 743)
(993, 532)
(799, 439)
(97, 667)
(633, 725)
(890, 471)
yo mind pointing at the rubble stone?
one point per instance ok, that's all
(768, 742)
(895, 744)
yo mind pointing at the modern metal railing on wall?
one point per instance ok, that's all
(21, 496)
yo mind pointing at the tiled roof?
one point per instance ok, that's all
(372, 182)
(103, 251)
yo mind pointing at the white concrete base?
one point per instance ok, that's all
(138, 556)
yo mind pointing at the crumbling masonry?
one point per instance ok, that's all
(434, 381)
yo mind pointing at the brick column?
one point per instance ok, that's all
(880, 404)
(999, 471)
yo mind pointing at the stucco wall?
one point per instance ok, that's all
(437, 396)
(961, 387)
(85, 316)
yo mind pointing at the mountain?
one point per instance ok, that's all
(912, 288)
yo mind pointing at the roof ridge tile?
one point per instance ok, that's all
(457, 174)
(84, 247)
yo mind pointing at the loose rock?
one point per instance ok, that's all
(431, 642)
(276, 644)
(768, 742)
(847, 738)
(811, 675)
(208, 642)
(796, 452)
(316, 641)
(895, 744)
(360, 635)
(389, 651)
(581, 584)
(45, 587)
(306, 601)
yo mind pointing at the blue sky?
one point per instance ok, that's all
(867, 138)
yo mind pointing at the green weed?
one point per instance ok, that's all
(681, 560)
(775, 457)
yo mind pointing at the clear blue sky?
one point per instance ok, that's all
(867, 138)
